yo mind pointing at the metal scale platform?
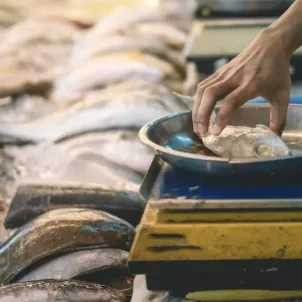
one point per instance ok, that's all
(202, 233)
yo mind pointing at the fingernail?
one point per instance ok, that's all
(195, 128)
(215, 130)
(201, 129)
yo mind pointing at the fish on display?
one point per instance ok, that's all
(126, 16)
(122, 147)
(167, 33)
(52, 290)
(246, 142)
(26, 108)
(59, 231)
(34, 198)
(127, 110)
(33, 52)
(106, 70)
(74, 264)
(129, 41)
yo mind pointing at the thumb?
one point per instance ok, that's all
(279, 106)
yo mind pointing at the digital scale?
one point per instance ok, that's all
(202, 233)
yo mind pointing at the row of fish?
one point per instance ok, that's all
(72, 229)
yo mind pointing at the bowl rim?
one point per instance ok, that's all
(144, 137)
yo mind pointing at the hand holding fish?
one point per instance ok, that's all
(263, 69)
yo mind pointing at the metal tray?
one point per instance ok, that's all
(173, 139)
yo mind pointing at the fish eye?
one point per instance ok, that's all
(263, 150)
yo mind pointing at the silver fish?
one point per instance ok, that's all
(51, 290)
(47, 161)
(246, 142)
(106, 70)
(122, 147)
(129, 110)
(33, 52)
(77, 263)
(60, 231)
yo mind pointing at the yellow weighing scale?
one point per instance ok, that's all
(222, 238)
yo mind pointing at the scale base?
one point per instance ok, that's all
(212, 249)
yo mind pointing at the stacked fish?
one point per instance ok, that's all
(75, 99)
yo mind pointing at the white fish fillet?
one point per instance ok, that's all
(246, 142)
(111, 69)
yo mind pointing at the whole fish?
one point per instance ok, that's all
(126, 16)
(129, 110)
(106, 70)
(122, 147)
(118, 278)
(51, 290)
(169, 34)
(74, 264)
(129, 41)
(246, 142)
(90, 166)
(33, 52)
(59, 231)
(34, 198)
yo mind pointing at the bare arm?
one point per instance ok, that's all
(261, 70)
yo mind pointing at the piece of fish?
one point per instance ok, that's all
(74, 264)
(129, 110)
(166, 32)
(34, 198)
(51, 290)
(26, 108)
(142, 294)
(117, 278)
(106, 70)
(122, 147)
(48, 162)
(129, 41)
(246, 142)
(126, 16)
(33, 52)
(59, 231)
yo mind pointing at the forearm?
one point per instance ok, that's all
(288, 28)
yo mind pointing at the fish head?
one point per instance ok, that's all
(268, 144)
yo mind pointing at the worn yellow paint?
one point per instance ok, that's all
(243, 295)
(215, 241)
(244, 216)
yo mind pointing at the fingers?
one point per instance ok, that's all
(230, 104)
(278, 114)
(198, 99)
(211, 95)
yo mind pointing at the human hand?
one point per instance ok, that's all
(263, 69)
